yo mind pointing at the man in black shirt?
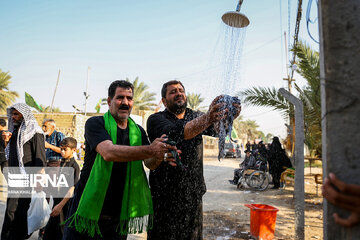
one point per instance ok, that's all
(177, 191)
(24, 148)
(3, 161)
(99, 141)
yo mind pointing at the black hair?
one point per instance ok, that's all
(69, 142)
(165, 85)
(2, 122)
(119, 83)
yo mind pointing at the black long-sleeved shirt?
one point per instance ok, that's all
(34, 151)
(177, 191)
(187, 181)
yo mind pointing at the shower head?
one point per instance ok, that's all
(235, 18)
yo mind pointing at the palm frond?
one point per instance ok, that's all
(194, 101)
(7, 97)
(266, 97)
(143, 99)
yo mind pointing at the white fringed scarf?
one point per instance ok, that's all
(27, 130)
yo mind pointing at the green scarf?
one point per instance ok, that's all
(136, 209)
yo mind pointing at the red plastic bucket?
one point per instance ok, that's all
(262, 221)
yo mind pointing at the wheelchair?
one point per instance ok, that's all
(257, 178)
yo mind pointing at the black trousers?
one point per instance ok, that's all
(2, 165)
(183, 222)
(276, 175)
(15, 219)
(237, 174)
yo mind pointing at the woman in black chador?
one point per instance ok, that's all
(278, 161)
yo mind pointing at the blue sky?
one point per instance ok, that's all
(154, 40)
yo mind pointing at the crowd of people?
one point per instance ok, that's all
(111, 196)
(24, 145)
(259, 156)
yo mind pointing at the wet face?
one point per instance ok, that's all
(16, 117)
(121, 104)
(67, 152)
(48, 128)
(175, 100)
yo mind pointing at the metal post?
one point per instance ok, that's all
(57, 83)
(86, 93)
(299, 192)
(339, 23)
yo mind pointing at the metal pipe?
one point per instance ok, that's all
(239, 5)
(299, 192)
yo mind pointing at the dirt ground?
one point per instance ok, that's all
(228, 218)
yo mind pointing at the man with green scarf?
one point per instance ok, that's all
(112, 197)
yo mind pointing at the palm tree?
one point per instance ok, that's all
(309, 68)
(270, 97)
(143, 100)
(266, 97)
(194, 101)
(7, 97)
(247, 128)
(251, 127)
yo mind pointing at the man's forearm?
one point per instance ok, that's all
(196, 126)
(151, 163)
(54, 148)
(120, 153)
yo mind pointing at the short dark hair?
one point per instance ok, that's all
(69, 142)
(164, 87)
(2, 122)
(119, 83)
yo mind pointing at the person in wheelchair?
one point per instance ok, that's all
(248, 163)
(260, 155)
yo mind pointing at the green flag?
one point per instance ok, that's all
(233, 134)
(98, 105)
(31, 102)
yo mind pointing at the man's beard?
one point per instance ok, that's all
(17, 124)
(177, 108)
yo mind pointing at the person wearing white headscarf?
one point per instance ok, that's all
(25, 147)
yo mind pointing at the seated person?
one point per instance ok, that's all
(248, 163)
(260, 159)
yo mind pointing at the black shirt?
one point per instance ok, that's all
(34, 151)
(2, 148)
(178, 182)
(96, 133)
(177, 191)
(73, 164)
